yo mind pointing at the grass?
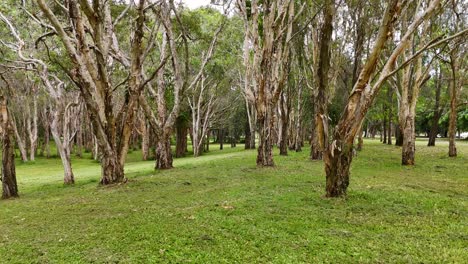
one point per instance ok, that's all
(221, 208)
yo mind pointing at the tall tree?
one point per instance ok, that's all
(320, 137)
(271, 44)
(91, 71)
(339, 153)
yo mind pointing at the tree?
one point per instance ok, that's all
(90, 71)
(339, 153)
(270, 30)
(164, 120)
(437, 111)
(320, 137)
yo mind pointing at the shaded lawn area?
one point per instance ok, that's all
(221, 208)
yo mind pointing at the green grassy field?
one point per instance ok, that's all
(221, 208)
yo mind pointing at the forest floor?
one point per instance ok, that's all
(221, 208)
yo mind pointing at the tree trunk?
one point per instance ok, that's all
(298, 137)
(181, 134)
(398, 136)
(32, 125)
(284, 120)
(247, 136)
(337, 164)
(390, 116)
(45, 148)
(453, 104)
(62, 148)
(207, 146)
(79, 141)
(9, 185)
(145, 139)
(321, 94)
(265, 146)
(164, 153)
(221, 138)
(19, 140)
(111, 169)
(389, 132)
(409, 137)
(384, 129)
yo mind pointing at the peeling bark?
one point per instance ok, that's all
(9, 184)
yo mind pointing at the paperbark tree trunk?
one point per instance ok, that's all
(252, 126)
(32, 124)
(409, 147)
(221, 138)
(145, 142)
(409, 99)
(284, 120)
(247, 135)
(384, 128)
(62, 147)
(390, 116)
(265, 145)
(207, 145)
(181, 134)
(454, 89)
(19, 139)
(337, 167)
(437, 112)
(320, 139)
(9, 184)
(298, 137)
(79, 138)
(164, 158)
(398, 136)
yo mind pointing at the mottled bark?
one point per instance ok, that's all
(409, 138)
(337, 164)
(284, 109)
(454, 90)
(9, 184)
(164, 158)
(265, 145)
(111, 169)
(321, 83)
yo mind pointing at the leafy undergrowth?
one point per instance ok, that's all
(221, 208)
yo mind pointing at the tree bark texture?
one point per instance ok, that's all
(9, 184)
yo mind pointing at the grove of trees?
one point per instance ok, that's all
(108, 76)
